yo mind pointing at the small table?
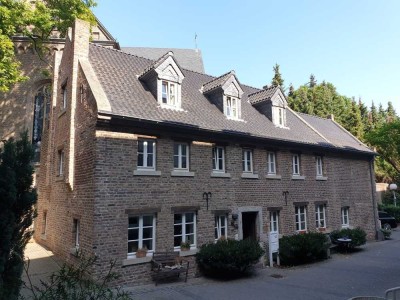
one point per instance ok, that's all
(344, 243)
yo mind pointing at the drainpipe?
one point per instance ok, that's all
(374, 205)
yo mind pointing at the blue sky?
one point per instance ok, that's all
(355, 44)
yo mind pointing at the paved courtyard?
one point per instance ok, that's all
(368, 272)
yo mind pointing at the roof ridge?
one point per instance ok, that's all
(319, 117)
(220, 76)
(262, 90)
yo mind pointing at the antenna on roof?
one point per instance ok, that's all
(195, 40)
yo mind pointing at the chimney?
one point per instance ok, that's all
(80, 38)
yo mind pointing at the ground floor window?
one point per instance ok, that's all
(274, 220)
(301, 218)
(185, 229)
(220, 227)
(76, 232)
(345, 217)
(44, 223)
(320, 216)
(141, 233)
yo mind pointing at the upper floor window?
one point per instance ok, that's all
(64, 97)
(345, 216)
(76, 232)
(319, 166)
(296, 164)
(141, 233)
(274, 221)
(61, 162)
(40, 117)
(221, 225)
(44, 222)
(146, 154)
(320, 216)
(218, 159)
(280, 117)
(301, 218)
(232, 107)
(181, 156)
(168, 93)
(247, 161)
(271, 163)
(185, 229)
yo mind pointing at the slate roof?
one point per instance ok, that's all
(217, 82)
(118, 73)
(264, 94)
(190, 59)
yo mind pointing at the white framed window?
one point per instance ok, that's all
(296, 164)
(221, 225)
(301, 218)
(319, 166)
(76, 232)
(280, 117)
(274, 221)
(320, 216)
(181, 156)
(141, 234)
(345, 216)
(146, 155)
(271, 163)
(218, 159)
(247, 160)
(185, 229)
(232, 107)
(61, 162)
(168, 93)
(64, 97)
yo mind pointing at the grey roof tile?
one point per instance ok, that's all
(190, 59)
(216, 82)
(264, 94)
(118, 74)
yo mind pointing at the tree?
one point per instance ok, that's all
(390, 112)
(313, 82)
(386, 139)
(38, 22)
(16, 212)
(277, 79)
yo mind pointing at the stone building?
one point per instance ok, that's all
(146, 153)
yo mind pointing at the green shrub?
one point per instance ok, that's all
(228, 257)
(392, 210)
(357, 235)
(302, 248)
(386, 233)
(387, 197)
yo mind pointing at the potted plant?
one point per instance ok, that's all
(185, 246)
(141, 252)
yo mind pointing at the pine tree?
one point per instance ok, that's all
(16, 212)
(390, 112)
(381, 115)
(373, 116)
(313, 82)
(364, 114)
(277, 79)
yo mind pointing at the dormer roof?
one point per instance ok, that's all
(272, 94)
(225, 82)
(160, 66)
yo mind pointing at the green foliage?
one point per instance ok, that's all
(277, 80)
(386, 233)
(392, 210)
(302, 248)
(228, 257)
(76, 283)
(16, 212)
(357, 235)
(37, 22)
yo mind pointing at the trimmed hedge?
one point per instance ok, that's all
(228, 258)
(302, 248)
(357, 235)
(392, 210)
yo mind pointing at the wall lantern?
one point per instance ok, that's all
(207, 197)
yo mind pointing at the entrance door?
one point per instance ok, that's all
(249, 223)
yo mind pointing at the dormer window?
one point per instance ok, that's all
(168, 93)
(232, 107)
(280, 117)
(164, 79)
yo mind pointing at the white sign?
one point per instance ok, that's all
(273, 246)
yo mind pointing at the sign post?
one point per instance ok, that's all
(273, 247)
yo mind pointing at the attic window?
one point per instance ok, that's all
(168, 93)
(232, 107)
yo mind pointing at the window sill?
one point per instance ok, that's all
(146, 173)
(273, 176)
(136, 261)
(220, 174)
(298, 177)
(250, 175)
(178, 173)
(321, 178)
(176, 108)
(188, 252)
(62, 112)
(60, 178)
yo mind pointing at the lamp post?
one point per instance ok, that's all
(393, 187)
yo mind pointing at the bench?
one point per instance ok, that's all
(168, 264)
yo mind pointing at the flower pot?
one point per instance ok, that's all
(141, 253)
